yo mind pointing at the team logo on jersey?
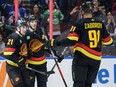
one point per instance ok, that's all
(35, 45)
(23, 50)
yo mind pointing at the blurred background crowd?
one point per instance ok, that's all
(68, 12)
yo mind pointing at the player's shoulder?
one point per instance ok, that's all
(97, 20)
(29, 34)
(90, 20)
(79, 22)
(13, 35)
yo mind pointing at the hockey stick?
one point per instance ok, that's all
(40, 72)
(55, 63)
(54, 57)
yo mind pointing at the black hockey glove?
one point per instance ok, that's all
(22, 63)
(59, 56)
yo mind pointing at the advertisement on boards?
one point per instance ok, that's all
(106, 75)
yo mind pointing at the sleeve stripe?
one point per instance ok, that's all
(73, 38)
(9, 49)
(108, 42)
(73, 34)
(8, 53)
(72, 28)
(106, 39)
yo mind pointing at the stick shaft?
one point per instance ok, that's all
(41, 72)
(55, 59)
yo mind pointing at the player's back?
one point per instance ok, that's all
(91, 32)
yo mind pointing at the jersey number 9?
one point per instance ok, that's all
(94, 37)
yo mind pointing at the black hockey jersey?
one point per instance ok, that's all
(87, 36)
(15, 47)
(35, 44)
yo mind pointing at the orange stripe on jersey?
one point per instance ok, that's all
(88, 49)
(9, 49)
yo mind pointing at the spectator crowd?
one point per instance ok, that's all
(65, 13)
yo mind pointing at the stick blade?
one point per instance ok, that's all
(50, 72)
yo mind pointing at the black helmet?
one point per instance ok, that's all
(87, 7)
(31, 17)
(20, 22)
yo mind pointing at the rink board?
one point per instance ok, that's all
(106, 75)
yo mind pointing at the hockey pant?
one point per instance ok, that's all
(41, 79)
(18, 77)
(84, 71)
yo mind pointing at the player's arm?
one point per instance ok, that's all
(71, 39)
(106, 38)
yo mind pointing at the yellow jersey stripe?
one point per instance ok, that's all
(92, 56)
(36, 62)
(73, 38)
(108, 43)
(8, 53)
(52, 42)
(12, 63)
(72, 28)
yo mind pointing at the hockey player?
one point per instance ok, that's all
(87, 36)
(16, 54)
(35, 40)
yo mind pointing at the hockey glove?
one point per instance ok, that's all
(59, 56)
(22, 63)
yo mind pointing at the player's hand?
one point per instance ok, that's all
(59, 56)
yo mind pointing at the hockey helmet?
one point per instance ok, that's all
(31, 17)
(87, 6)
(20, 22)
